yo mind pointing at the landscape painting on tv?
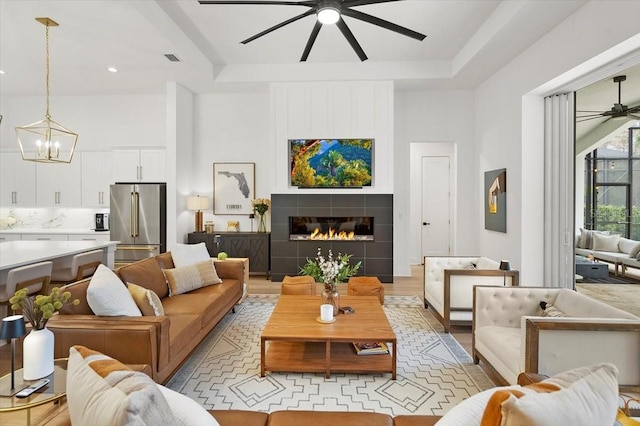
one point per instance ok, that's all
(330, 163)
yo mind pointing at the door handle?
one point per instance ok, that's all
(426, 223)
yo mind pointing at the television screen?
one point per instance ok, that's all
(330, 163)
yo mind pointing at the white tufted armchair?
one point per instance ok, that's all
(511, 336)
(449, 281)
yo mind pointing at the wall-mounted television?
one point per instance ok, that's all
(330, 163)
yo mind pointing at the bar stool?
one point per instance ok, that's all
(299, 285)
(35, 278)
(366, 286)
(83, 265)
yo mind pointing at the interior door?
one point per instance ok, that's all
(436, 206)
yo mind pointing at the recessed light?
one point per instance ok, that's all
(1, 72)
(112, 69)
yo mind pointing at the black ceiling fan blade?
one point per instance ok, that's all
(312, 39)
(258, 2)
(581, 119)
(595, 114)
(637, 117)
(384, 24)
(346, 32)
(280, 25)
(349, 3)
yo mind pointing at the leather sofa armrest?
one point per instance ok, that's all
(240, 417)
(415, 420)
(131, 340)
(530, 378)
(230, 269)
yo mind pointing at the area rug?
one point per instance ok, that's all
(621, 296)
(434, 373)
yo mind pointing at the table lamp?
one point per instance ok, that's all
(198, 204)
(12, 328)
(504, 267)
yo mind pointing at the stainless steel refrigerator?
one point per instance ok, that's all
(138, 220)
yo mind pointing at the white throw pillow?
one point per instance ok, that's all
(486, 263)
(606, 242)
(186, 410)
(103, 392)
(108, 296)
(189, 254)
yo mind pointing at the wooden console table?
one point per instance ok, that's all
(254, 245)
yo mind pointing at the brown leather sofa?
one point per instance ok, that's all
(292, 418)
(162, 342)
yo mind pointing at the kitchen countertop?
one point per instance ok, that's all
(51, 231)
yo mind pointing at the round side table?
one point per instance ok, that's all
(54, 391)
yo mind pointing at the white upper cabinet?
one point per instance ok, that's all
(58, 185)
(97, 175)
(17, 181)
(139, 165)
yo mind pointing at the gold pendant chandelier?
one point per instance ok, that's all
(46, 141)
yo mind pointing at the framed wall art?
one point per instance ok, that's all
(233, 188)
(495, 200)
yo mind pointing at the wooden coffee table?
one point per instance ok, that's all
(299, 343)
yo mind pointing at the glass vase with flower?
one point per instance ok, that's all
(330, 271)
(260, 207)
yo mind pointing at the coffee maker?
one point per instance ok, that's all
(102, 221)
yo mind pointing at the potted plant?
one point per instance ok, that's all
(38, 344)
(330, 271)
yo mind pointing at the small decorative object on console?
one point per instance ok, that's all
(347, 310)
(233, 226)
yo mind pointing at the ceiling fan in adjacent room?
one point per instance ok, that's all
(617, 111)
(328, 12)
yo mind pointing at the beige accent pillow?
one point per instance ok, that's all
(108, 296)
(635, 251)
(147, 300)
(188, 278)
(586, 237)
(606, 242)
(587, 396)
(103, 392)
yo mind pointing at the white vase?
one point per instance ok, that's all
(37, 354)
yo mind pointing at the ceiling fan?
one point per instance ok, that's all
(328, 12)
(617, 111)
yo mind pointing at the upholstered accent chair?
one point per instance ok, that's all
(298, 285)
(366, 286)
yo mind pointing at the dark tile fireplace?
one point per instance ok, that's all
(357, 224)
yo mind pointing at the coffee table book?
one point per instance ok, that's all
(371, 348)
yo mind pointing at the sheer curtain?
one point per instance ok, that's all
(559, 175)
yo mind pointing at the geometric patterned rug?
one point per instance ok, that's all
(434, 373)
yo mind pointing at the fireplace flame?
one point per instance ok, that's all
(331, 235)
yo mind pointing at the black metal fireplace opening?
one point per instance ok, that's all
(313, 228)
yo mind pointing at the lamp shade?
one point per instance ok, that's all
(12, 327)
(197, 203)
(505, 265)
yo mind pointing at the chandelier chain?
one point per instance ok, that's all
(47, 115)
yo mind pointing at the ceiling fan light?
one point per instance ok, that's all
(328, 15)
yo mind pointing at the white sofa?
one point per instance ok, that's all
(510, 335)
(449, 281)
(621, 252)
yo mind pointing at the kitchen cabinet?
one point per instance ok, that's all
(94, 236)
(97, 175)
(140, 165)
(18, 181)
(59, 185)
(45, 237)
(254, 245)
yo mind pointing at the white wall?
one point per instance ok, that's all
(228, 128)
(333, 110)
(501, 123)
(100, 121)
(435, 116)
